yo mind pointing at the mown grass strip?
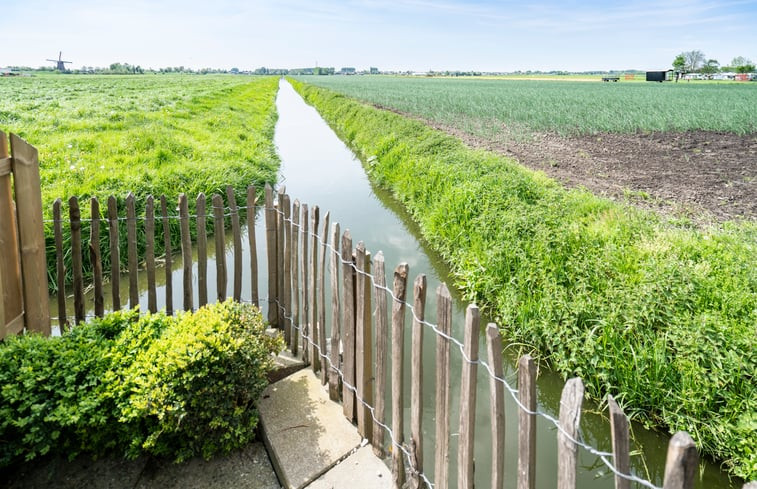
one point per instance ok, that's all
(161, 135)
(663, 318)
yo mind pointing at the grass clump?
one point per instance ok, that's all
(663, 318)
(171, 386)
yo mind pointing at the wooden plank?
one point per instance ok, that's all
(468, 398)
(348, 328)
(168, 257)
(280, 248)
(367, 350)
(236, 231)
(152, 294)
(131, 250)
(94, 257)
(186, 253)
(11, 298)
(621, 443)
(527, 423)
(681, 462)
(74, 216)
(297, 327)
(60, 266)
(31, 236)
(202, 250)
(416, 376)
(287, 292)
(570, 417)
(444, 324)
(270, 240)
(363, 371)
(305, 266)
(496, 404)
(115, 253)
(398, 347)
(219, 235)
(382, 333)
(315, 359)
(336, 336)
(322, 299)
(251, 211)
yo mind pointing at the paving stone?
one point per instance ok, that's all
(361, 470)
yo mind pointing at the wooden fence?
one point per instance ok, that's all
(23, 270)
(365, 304)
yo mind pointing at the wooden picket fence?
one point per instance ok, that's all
(363, 306)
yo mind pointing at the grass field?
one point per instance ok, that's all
(110, 135)
(483, 106)
(662, 317)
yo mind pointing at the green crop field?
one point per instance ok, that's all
(483, 106)
(153, 134)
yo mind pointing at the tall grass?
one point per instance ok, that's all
(663, 318)
(487, 107)
(149, 135)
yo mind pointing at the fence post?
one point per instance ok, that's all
(382, 333)
(59, 265)
(681, 462)
(287, 292)
(527, 423)
(620, 443)
(570, 417)
(186, 252)
(280, 247)
(497, 404)
(315, 359)
(94, 255)
(398, 347)
(270, 236)
(348, 328)
(219, 235)
(74, 215)
(115, 253)
(31, 235)
(363, 342)
(237, 233)
(416, 377)
(305, 327)
(131, 250)
(251, 211)
(11, 295)
(444, 324)
(336, 336)
(322, 300)
(152, 295)
(468, 398)
(295, 277)
(202, 251)
(168, 257)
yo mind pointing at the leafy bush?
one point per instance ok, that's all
(170, 386)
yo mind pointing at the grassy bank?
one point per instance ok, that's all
(159, 135)
(486, 108)
(661, 317)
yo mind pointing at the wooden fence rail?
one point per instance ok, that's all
(299, 246)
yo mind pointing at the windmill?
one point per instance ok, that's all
(61, 65)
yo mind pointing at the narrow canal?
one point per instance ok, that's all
(318, 169)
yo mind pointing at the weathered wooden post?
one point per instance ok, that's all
(363, 341)
(237, 233)
(94, 257)
(168, 257)
(59, 265)
(11, 289)
(131, 250)
(348, 327)
(219, 235)
(382, 333)
(336, 336)
(681, 462)
(570, 417)
(398, 346)
(416, 378)
(253, 245)
(152, 296)
(74, 216)
(621, 450)
(202, 251)
(115, 253)
(496, 404)
(283, 311)
(322, 300)
(186, 252)
(468, 398)
(527, 423)
(444, 324)
(270, 234)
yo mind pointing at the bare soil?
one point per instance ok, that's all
(704, 176)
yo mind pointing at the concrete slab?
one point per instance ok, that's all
(361, 469)
(59, 472)
(305, 432)
(285, 365)
(249, 468)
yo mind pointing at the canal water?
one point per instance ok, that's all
(318, 169)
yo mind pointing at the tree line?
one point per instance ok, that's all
(696, 62)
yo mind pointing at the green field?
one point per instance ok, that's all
(151, 134)
(488, 107)
(662, 317)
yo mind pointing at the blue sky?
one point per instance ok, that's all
(415, 35)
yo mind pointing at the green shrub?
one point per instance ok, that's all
(171, 386)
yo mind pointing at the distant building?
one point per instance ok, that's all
(8, 72)
(347, 71)
(374, 71)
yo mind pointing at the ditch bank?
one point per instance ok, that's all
(661, 317)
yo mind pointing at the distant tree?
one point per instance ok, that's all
(693, 60)
(679, 64)
(710, 67)
(741, 64)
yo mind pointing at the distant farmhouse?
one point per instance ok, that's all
(9, 72)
